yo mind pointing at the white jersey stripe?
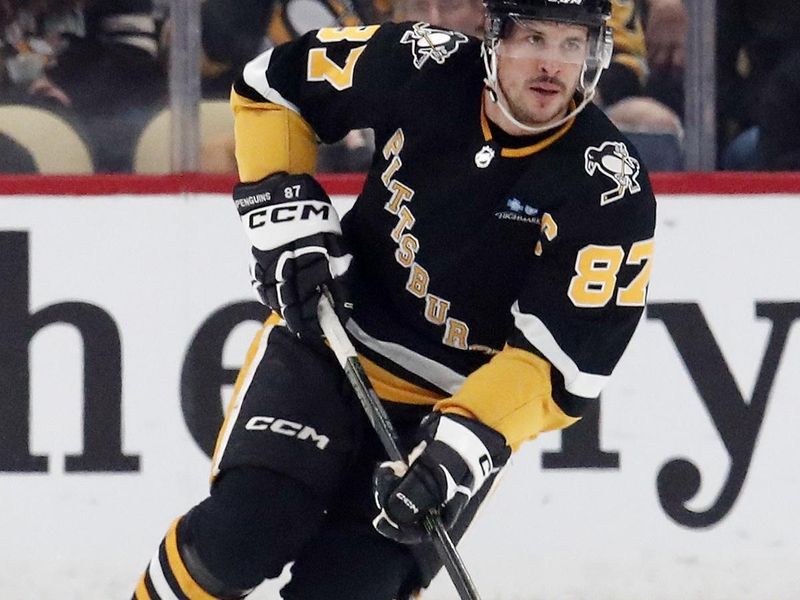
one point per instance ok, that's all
(430, 370)
(255, 75)
(586, 385)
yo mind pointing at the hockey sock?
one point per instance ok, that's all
(173, 574)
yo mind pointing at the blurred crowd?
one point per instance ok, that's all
(93, 63)
(758, 84)
(99, 66)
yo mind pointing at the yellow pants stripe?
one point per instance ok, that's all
(254, 355)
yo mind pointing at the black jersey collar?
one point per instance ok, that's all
(537, 142)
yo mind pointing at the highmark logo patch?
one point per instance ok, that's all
(516, 210)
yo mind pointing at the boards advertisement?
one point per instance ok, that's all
(125, 317)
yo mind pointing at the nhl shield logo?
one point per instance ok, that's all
(484, 157)
(614, 161)
(432, 43)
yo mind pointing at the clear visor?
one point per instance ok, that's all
(546, 41)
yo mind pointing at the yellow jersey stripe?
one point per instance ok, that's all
(395, 389)
(549, 141)
(533, 148)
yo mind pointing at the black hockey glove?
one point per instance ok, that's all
(297, 247)
(454, 459)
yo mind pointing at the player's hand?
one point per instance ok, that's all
(452, 462)
(297, 248)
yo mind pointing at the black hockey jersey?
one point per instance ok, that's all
(476, 254)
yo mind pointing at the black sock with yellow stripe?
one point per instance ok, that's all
(176, 573)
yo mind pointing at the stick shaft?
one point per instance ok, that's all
(376, 413)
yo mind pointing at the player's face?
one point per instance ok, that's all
(465, 16)
(539, 65)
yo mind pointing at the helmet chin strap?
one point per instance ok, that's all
(497, 96)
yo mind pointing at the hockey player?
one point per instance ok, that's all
(491, 274)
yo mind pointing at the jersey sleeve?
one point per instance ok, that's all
(575, 316)
(337, 79)
(586, 293)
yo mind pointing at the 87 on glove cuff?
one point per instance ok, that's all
(297, 247)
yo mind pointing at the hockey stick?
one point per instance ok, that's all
(348, 358)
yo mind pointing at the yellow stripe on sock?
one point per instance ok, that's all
(188, 585)
(141, 591)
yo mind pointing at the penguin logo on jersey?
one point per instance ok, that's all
(432, 43)
(614, 161)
